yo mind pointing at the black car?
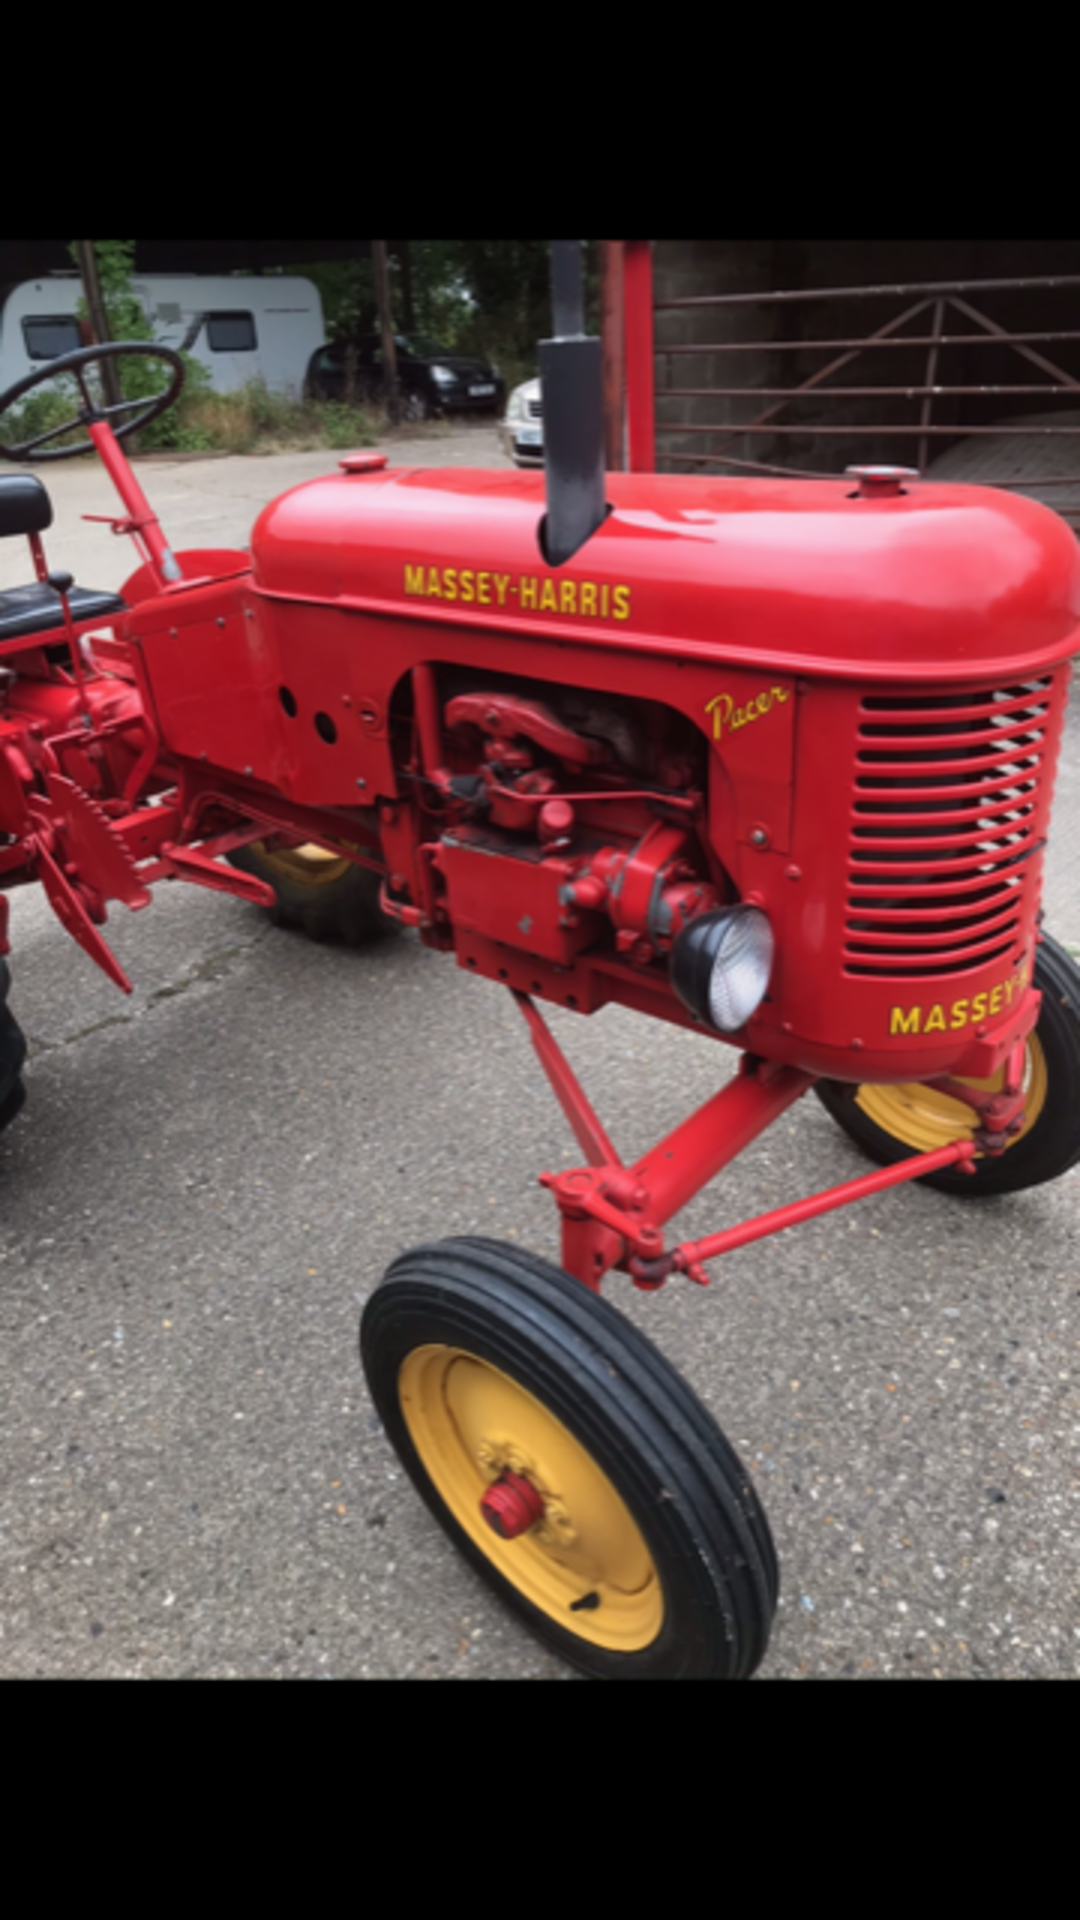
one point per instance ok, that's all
(431, 379)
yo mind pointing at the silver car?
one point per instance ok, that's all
(522, 429)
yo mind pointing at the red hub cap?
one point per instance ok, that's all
(511, 1506)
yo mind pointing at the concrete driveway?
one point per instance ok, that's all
(209, 1178)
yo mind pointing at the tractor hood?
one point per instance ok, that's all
(938, 581)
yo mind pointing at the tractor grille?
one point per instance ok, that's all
(948, 812)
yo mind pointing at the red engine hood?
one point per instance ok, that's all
(941, 582)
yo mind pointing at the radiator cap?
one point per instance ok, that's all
(882, 483)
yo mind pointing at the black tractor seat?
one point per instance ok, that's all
(26, 611)
(25, 508)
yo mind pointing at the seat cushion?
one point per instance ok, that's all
(25, 611)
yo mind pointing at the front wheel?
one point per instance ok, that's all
(890, 1123)
(570, 1464)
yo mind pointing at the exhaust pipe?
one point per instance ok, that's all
(571, 381)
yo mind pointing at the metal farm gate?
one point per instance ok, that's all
(975, 380)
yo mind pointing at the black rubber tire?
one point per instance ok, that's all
(344, 907)
(1050, 1147)
(12, 1055)
(688, 1498)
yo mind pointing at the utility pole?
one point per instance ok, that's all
(382, 299)
(99, 324)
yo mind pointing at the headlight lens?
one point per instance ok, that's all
(444, 376)
(720, 965)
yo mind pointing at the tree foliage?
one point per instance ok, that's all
(482, 296)
(490, 297)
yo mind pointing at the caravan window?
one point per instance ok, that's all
(231, 332)
(48, 335)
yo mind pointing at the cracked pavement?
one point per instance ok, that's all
(213, 966)
(208, 1180)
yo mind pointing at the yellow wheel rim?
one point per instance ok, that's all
(307, 866)
(922, 1117)
(470, 1423)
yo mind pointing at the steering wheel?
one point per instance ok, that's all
(150, 409)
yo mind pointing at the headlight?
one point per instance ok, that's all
(444, 376)
(720, 965)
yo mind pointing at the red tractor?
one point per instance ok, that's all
(769, 760)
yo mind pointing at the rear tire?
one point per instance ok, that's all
(325, 897)
(12, 1055)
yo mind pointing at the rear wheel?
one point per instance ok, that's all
(321, 893)
(890, 1123)
(12, 1055)
(570, 1464)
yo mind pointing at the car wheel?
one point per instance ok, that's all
(413, 406)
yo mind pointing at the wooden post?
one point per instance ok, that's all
(99, 322)
(386, 327)
(403, 250)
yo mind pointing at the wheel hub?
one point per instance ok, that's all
(923, 1115)
(511, 1506)
(501, 1459)
(531, 1497)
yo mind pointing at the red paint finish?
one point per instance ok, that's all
(940, 583)
(841, 704)
(640, 379)
(689, 1257)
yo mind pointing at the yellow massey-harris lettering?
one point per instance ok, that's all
(531, 592)
(940, 1016)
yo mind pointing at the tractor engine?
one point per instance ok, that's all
(571, 826)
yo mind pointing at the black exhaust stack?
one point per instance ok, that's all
(571, 380)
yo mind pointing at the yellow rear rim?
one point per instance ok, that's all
(921, 1117)
(470, 1423)
(307, 866)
